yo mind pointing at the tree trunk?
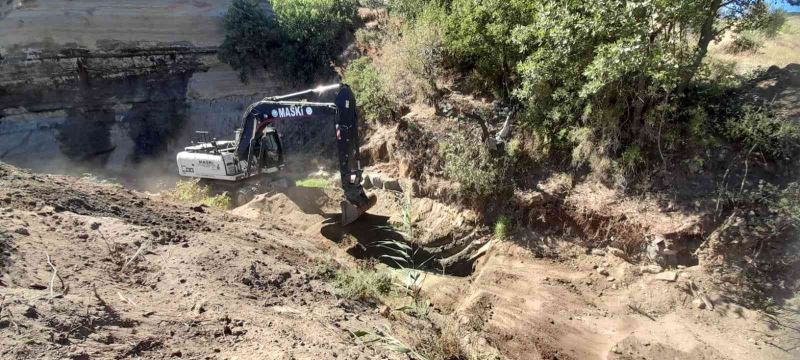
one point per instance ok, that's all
(707, 34)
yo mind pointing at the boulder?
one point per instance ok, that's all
(699, 304)
(366, 182)
(376, 180)
(651, 269)
(392, 184)
(669, 276)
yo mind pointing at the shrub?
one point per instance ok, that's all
(502, 227)
(745, 42)
(408, 9)
(469, 163)
(774, 22)
(412, 58)
(370, 86)
(478, 39)
(631, 159)
(760, 129)
(362, 284)
(192, 191)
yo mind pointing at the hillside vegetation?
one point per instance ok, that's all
(780, 48)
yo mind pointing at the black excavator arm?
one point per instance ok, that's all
(343, 110)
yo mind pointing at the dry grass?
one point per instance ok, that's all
(781, 50)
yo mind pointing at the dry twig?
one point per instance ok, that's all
(141, 249)
(53, 278)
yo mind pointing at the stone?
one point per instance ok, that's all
(385, 311)
(651, 269)
(376, 181)
(22, 231)
(611, 279)
(598, 252)
(602, 271)
(699, 304)
(392, 184)
(366, 182)
(199, 306)
(669, 276)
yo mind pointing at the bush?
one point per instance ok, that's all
(480, 174)
(502, 227)
(408, 9)
(478, 39)
(362, 284)
(774, 22)
(412, 57)
(762, 130)
(191, 191)
(370, 86)
(745, 42)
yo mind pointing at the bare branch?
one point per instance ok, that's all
(141, 248)
(53, 278)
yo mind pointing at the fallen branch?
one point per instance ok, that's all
(641, 312)
(53, 278)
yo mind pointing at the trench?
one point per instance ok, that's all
(372, 237)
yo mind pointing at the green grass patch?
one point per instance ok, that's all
(191, 191)
(362, 284)
(313, 183)
(502, 227)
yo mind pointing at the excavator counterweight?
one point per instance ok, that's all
(256, 150)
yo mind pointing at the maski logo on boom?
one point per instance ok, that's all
(291, 111)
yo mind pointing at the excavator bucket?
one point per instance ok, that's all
(351, 212)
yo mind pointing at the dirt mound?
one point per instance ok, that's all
(299, 207)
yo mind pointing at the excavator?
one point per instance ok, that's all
(244, 165)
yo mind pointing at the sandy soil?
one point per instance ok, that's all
(248, 284)
(203, 285)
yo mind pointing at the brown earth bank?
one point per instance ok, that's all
(98, 271)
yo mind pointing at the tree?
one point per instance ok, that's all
(251, 35)
(607, 66)
(478, 36)
(302, 36)
(313, 32)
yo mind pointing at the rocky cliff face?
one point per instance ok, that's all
(112, 84)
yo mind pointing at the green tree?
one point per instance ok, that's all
(301, 36)
(251, 35)
(313, 32)
(479, 37)
(607, 66)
